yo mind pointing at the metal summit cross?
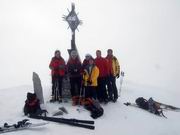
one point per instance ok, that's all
(73, 22)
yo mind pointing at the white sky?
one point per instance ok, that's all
(144, 34)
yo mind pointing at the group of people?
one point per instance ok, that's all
(94, 78)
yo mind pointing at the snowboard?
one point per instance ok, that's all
(38, 87)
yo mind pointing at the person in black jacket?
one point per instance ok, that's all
(74, 68)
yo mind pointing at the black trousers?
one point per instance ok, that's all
(57, 85)
(112, 88)
(91, 92)
(109, 88)
(75, 83)
(101, 89)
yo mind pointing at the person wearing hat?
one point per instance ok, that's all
(114, 70)
(74, 70)
(86, 60)
(57, 66)
(90, 76)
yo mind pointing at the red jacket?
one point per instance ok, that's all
(102, 64)
(57, 66)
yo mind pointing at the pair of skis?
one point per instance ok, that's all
(161, 105)
(167, 107)
(20, 125)
(73, 122)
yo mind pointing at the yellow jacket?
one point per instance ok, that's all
(90, 79)
(115, 66)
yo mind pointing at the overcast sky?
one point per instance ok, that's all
(144, 34)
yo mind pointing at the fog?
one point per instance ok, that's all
(145, 37)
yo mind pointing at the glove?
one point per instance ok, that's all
(85, 72)
(117, 76)
(61, 66)
(55, 69)
(89, 82)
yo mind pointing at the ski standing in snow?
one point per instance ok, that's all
(121, 82)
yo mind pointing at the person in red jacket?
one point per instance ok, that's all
(57, 66)
(101, 63)
(74, 69)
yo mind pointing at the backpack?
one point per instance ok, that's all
(153, 107)
(94, 107)
(142, 103)
(32, 105)
(150, 105)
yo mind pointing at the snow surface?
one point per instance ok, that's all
(117, 119)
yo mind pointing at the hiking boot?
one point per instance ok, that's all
(59, 99)
(114, 100)
(100, 100)
(106, 101)
(110, 99)
(52, 99)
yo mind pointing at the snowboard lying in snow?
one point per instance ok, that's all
(21, 125)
